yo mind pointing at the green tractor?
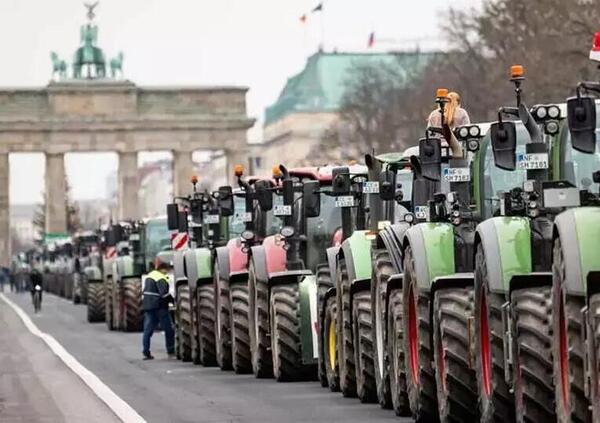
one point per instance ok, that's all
(576, 264)
(202, 226)
(138, 244)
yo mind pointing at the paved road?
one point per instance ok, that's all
(165, 390)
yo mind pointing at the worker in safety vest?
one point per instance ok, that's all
(155, 303)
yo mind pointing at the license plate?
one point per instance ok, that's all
(371, 187)
(532, 161)
(211, 219)
(457, 174)
(382, 224)
(282, 210)
(344, 201)
(134, 237)
(421, 212)
(194, 225)
(243, 217)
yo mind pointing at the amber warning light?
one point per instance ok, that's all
(276, 172)
(194, 179)
(516, 71)
(441, 93)
(238, 170)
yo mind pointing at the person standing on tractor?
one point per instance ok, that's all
(156, 299)
(454, 116)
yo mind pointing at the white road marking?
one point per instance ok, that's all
(112, 400)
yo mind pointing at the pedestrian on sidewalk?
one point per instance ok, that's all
(156, 299)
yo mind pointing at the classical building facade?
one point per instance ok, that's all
(310, 102)
(95, 111)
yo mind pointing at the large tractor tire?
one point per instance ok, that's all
(324, 283)
(455, 378)
(331, 355)
(133, 314)
(83, 283)
(382, 270)
(183, 319)
(260, 342)
(595, 370)
(362, 332)
(95, 304)
(240, 335)
(531, 310)
(496, 402)
(396, 354)
(421, 387)
(223, 321)
(108, 305)
(76, 294)
(285, 333)
(568, 346)
(206, 325)
(117, 305)
(344, 333)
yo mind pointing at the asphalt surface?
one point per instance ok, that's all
(162, 390)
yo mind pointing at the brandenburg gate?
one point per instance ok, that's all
(94, 111)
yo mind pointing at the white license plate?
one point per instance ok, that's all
(532, 161)
(194, 225)
(282, 210)
(371, 187)
(457, 174)
(243, 217)
(421, 212)
(211, 219)
(134, 237)
(344, 201)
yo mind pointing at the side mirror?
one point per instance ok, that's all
(430, 157)
(504, 144)
(386, 185)
(312, 199)
(264, 196)
(182, 222)
(172, 217)
(226, 201)
(341, 180)
(581, 115)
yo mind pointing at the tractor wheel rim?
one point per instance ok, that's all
(563, 355)
(484, 346)
(413, 337)
(331, 344)
(379, 331)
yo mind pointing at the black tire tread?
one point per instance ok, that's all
(95, 303)
(344, 335)
(262, 360)
(366, 388)
(184, 322)
(324, 283)
(223, 334)
(240, 337)
(286, 338)
(132, 295)
(206, 325)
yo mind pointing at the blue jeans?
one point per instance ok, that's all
(151, 320)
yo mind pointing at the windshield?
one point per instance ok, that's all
(496, 180)
(578, 167)
(158, 237)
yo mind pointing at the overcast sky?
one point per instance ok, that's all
(254, 43)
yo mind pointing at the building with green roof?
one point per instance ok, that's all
(310, 102)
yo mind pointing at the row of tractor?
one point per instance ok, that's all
(457, 280)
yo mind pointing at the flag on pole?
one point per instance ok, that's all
(303, 18)
(318, 8)
(371, 41)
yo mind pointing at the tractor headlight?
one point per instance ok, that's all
(455, 214)
(533, 205)
(553, 112)
(551, 127)
(473, 145)
(247, 235)
(541, 112)
(533, 213)
(409, 218)
(287, 231)
(456, 221)
(474, 131)
(463, 132)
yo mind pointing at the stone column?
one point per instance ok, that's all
(56, 191)
(183, 170)
(4, 211)
(232, 158)
(128, 185)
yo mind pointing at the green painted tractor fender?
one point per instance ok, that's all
(356, 251)
(506, 243)
(198, 266)
(124, 268)
(93, 273)
(309, 327)
(579, 233)
(432, 245)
